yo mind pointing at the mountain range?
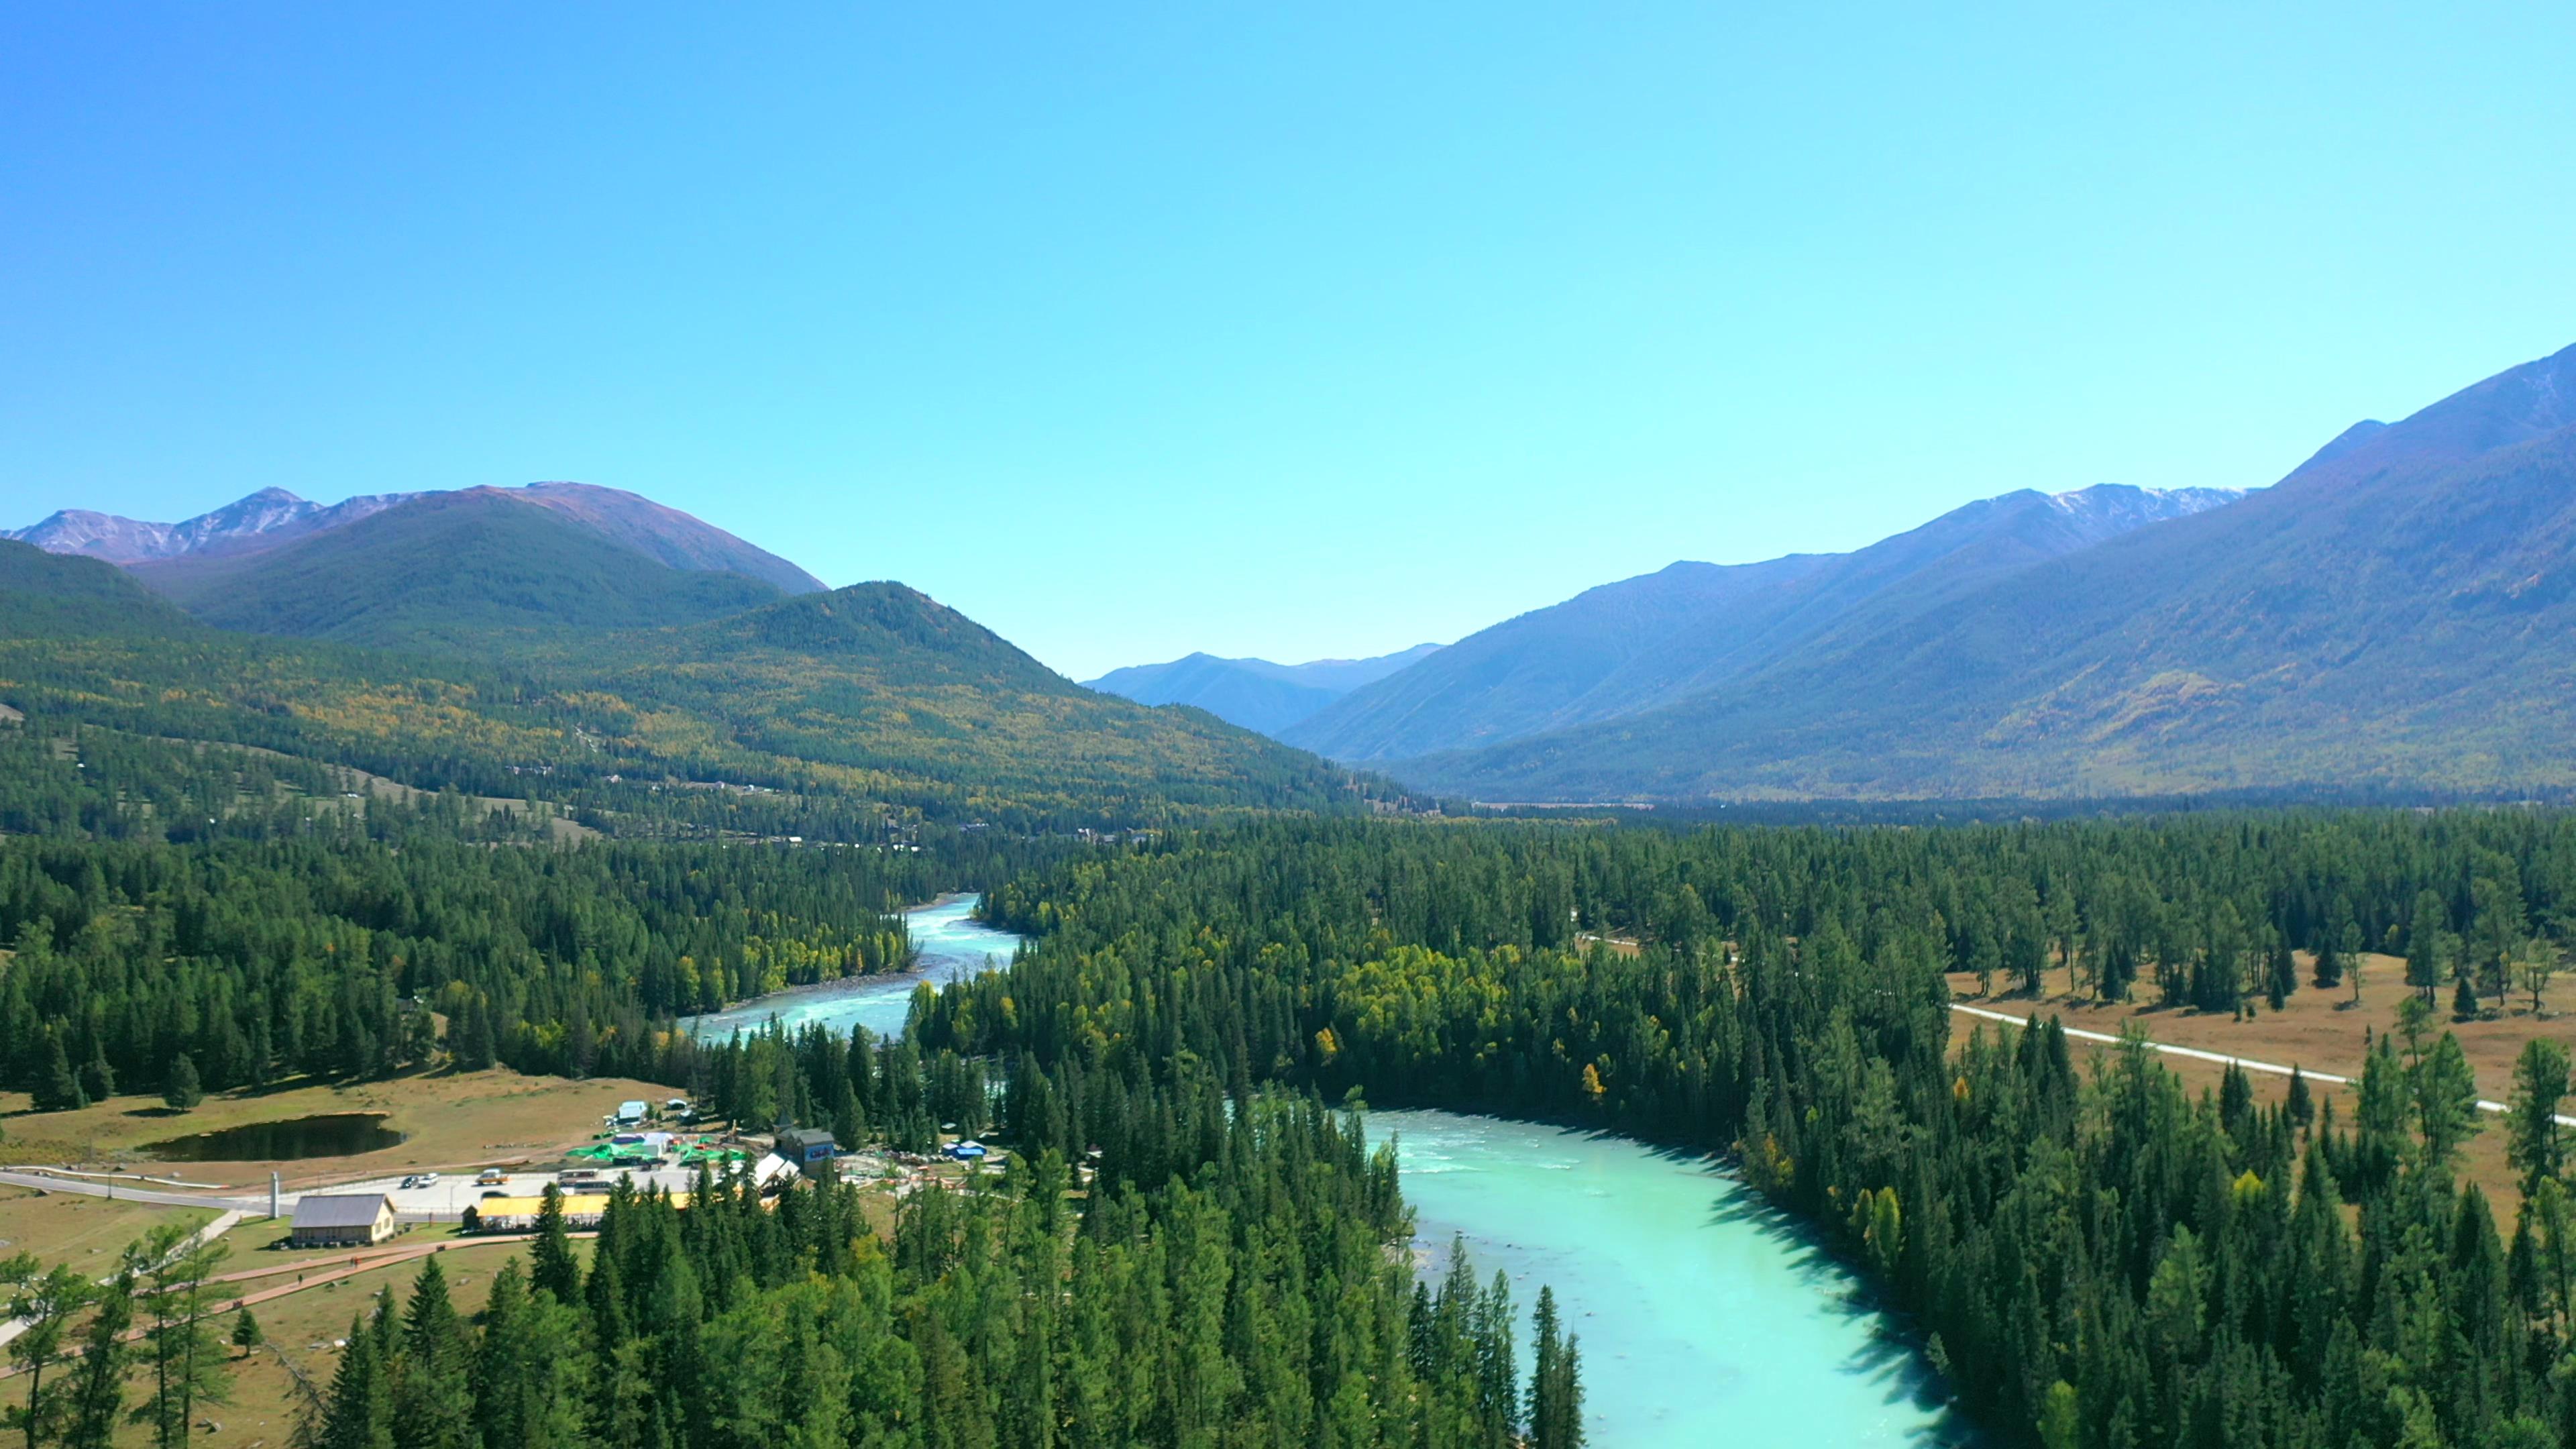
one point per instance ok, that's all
(1253, 693)
(2399, 611)
(1632, 646)
(2396, 613)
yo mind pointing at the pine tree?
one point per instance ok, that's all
(98, 1382)
(2446, 1101)
(59, 1089)
(502, 1370)
(555, 1269)
(1555, 1398)
(2424, 944)
(45, 1303)
(246, 1334)
(358, 1411)
(2540, 1085)
(183, 1092)
(187, 1365)
(433, 1394)
(97, 1078)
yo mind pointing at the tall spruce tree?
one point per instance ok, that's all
(433, 1390)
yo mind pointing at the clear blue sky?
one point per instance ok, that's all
(1292, 330)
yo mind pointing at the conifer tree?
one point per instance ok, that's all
(357, 1413)
(59, 1089)
(2537, 1145)
(2299, 1103)
(97, 1078)
(184, 1091)
(45, 1301)
(555, 1271)
(187, 1366)
(98, 1381)
(433, 1395)
(1555, 1398)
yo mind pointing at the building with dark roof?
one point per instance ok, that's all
(807, 1147)
(341, 1220)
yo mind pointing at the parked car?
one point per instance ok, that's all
(428, 1179)
(412, 1181)
(490, 1177)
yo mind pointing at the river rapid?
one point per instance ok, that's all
(1705, 1317)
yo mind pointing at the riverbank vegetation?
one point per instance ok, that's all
(2095, 1257)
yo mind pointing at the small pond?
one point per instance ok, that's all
(332, 1134)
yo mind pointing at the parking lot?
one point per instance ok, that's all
(447, 1198)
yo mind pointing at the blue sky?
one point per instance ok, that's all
(1288, 330)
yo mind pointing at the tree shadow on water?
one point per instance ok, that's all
(1890, 1357)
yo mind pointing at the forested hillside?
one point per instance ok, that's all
(481, 571)
(824, 715)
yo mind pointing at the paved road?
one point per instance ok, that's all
(125, 1192)
(441, 1201)
(2248, 1063)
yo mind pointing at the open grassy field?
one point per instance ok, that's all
(62, 1227)
(320, 1290)
(453, 1120)
(2320, 1031)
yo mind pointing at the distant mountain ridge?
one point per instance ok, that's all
(2399, 611)
(1254, 693)
(471, 640)
(269, 516)
(477, 571)
(1632, 646)
(273, 517)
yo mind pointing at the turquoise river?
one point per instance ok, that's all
(1706, 1318)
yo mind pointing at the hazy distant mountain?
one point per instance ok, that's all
(273, 517)
(1644, 642)
(2400, 610)
(1253, 693)
(270, 516)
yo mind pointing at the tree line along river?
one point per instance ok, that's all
(1705, 1317)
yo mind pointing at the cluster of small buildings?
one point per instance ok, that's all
(363, 1219)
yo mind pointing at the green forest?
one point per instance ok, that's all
(2088, 1255)
(1246, 1298)
(2095, 1259)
